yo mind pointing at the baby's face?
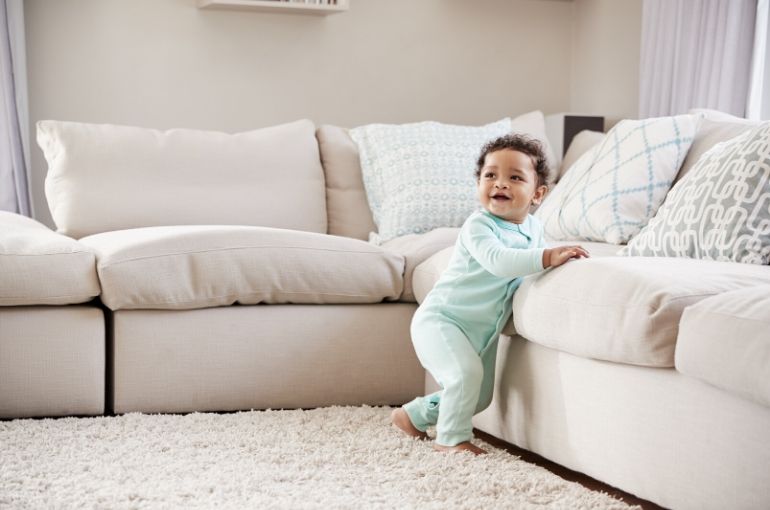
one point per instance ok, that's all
(508, 186)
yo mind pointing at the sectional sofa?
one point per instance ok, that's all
(201, 271)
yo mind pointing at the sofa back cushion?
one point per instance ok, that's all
(104, 177)
(581, 143)
(710, 133)
(346, 203)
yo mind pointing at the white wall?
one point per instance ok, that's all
(605, 58)
(165, 63)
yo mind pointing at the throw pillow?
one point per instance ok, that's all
(720, 210)
(613, 190)
(419, 176)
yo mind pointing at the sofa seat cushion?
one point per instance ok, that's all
(416, 249)
(197, 266)
(622, 309)
(40, 267)
(725, 341)
(427, 273)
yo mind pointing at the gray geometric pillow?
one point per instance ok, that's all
(720, 210)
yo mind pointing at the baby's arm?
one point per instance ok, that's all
(483, 245)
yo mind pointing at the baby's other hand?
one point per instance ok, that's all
(554, 257)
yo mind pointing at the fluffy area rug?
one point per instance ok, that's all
(336, 457)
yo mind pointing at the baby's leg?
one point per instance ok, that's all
(448, 355)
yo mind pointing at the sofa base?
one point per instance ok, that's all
(652, 432)
(51, 361)
(263, 356)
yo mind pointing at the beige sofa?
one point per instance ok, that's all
(232, 273)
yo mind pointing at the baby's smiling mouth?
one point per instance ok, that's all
(500, 196)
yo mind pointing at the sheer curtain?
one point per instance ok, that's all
(14, 182)
(759, 92)
(696, 54)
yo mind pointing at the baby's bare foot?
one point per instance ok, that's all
(401, 420)
(462, 447)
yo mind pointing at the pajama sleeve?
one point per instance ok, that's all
(483, 245)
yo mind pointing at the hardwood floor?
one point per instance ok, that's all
(567, 474)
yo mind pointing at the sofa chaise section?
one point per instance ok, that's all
(585, 375)
(52, 343)
(654, 432)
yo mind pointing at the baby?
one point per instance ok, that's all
(456, 327)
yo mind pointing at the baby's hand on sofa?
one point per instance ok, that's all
(553, 257)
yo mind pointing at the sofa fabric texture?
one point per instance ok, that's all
(725, 341)
(622, 309)
(259, 357)
(41, 267)
(104, 177)
(52, 361)
(186, 267)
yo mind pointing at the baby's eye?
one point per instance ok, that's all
(489, 175)
(516, 177)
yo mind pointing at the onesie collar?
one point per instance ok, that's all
(524, 228)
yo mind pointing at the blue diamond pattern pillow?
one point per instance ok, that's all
(613, 190)
(420, 176)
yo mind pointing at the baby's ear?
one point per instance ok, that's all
(540, 193)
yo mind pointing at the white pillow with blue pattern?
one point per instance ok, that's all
(419, 176)
(614, 189)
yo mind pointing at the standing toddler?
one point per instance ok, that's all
(456, 327)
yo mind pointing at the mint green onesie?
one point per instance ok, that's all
(456, 327)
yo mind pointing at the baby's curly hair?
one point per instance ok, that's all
(522, 143)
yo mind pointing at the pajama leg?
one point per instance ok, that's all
(423, 411)
(445, 351)
(488, 361)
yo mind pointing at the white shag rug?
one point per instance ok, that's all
(336, 457)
